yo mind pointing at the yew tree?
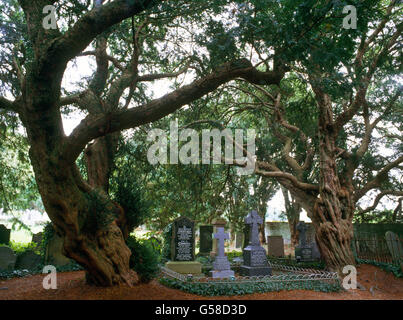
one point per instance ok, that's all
(92, 226)
(334, 123)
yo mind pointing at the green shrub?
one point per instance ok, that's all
(228, 289)
(166, 245)
(144, 259)
(19, 248)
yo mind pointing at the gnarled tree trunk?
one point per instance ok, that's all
(333, 210)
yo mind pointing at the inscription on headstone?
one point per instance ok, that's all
(183, 240)
(305, 251)
(254, 255)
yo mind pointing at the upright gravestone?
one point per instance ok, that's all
(4, 234)
(217, 223)
(394, 246)
(304, 250)
(221, 265)
(254, 255)
(183, 248)
(275, 246)
(7, 258)
(238, 240)
(28, 260)
(54, 252)
(37, 238)
(206, 240)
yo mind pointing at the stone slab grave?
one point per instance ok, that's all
(305, 251)
(28, 260)
(254, 255)
(183, 248)
(221, 265)
(275, 246)
(54, 252)
(395, 246)
(4, 235)
(206, 240)
(7, 258)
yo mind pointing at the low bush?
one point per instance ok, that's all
(144, 259)
(228, 289)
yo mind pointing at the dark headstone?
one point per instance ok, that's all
(7, 258)
(254, 255)
(4, 235)
(27, 260)
(305, 251)
(206, 240)
(183, 246)
(275, 246)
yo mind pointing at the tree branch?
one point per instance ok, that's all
(94, 127)
(376, 182)
(7, 105)
(378, 199)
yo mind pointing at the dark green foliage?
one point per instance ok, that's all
(224, 289)
(126, 189)
(166, 246)
(38, 270)
(303, 264)
(101, 213)
(47, 235)
(144, 259)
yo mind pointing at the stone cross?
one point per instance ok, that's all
(221, 236)
(301, 227)
(253, 219)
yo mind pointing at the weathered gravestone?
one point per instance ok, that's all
(28, 260)
(206, 240)
(4, 234)
(54, 252)
(254, 255)
(275, 246)
(238, 240)
(221, 265)
(304, 250)
(183, 247)
(394, 246)
(7, 258)
(37, 238)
